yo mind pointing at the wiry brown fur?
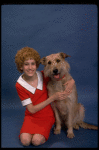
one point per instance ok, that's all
(24, 54)
(69, 110)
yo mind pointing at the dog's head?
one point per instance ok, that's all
(55, 65)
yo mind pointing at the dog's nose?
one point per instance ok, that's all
(55, 71)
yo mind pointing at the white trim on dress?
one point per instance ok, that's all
(26, 102)
(30, 88)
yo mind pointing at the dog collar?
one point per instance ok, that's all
(61, 78)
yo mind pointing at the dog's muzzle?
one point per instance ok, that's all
(56, 74)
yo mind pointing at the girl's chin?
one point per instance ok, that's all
(30, 74)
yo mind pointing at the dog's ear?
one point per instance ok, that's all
(64, 55)
(43, 61)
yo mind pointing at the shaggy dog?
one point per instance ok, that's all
(68, 111)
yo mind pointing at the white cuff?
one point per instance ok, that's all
(26, 102)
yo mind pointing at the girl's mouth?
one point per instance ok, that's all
(30, 71)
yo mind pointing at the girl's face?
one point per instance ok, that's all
(29, 67)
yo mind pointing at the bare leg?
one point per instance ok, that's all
(26, 139)
(38, 139)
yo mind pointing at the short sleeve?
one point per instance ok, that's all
(23, 95)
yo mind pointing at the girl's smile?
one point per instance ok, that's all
(29, 67)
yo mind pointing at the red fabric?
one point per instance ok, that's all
(41, 122)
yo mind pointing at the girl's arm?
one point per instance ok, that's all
(57, 96)
(35, 108)
(69, 86)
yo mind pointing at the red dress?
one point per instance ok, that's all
(41, 122)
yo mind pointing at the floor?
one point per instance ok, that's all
(11, 122)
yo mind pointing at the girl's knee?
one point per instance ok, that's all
(38, 139)
(25, 139)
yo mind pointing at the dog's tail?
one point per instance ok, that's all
(88, 126)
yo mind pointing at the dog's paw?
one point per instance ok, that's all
(57, 131)
(70, 135)
(76, 127)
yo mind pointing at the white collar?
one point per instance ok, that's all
(30, 88)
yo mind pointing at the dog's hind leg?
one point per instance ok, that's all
(81, 112)
(79, 116)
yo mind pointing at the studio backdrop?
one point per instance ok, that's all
(68, 28)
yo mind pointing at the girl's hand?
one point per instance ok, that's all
(69, 86)
(60, 96)
(63, 95)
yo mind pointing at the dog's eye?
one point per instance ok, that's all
(57, 60)
(49, 62)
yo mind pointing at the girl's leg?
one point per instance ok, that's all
(38, 139)
(26, 139)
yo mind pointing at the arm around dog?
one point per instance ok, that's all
(69, 85)
(35, 108)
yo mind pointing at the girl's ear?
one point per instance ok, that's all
(43, 61)
(21, 69)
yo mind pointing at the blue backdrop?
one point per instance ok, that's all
(71, 29)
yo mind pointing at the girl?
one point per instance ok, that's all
(32, 90)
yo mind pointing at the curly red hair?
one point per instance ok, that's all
(24, 54)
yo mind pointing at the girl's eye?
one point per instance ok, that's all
(26, 64)
(33, 63)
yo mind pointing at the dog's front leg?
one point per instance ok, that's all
(57, 129)
(69, 122)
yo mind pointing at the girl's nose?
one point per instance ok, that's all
(30, 66)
